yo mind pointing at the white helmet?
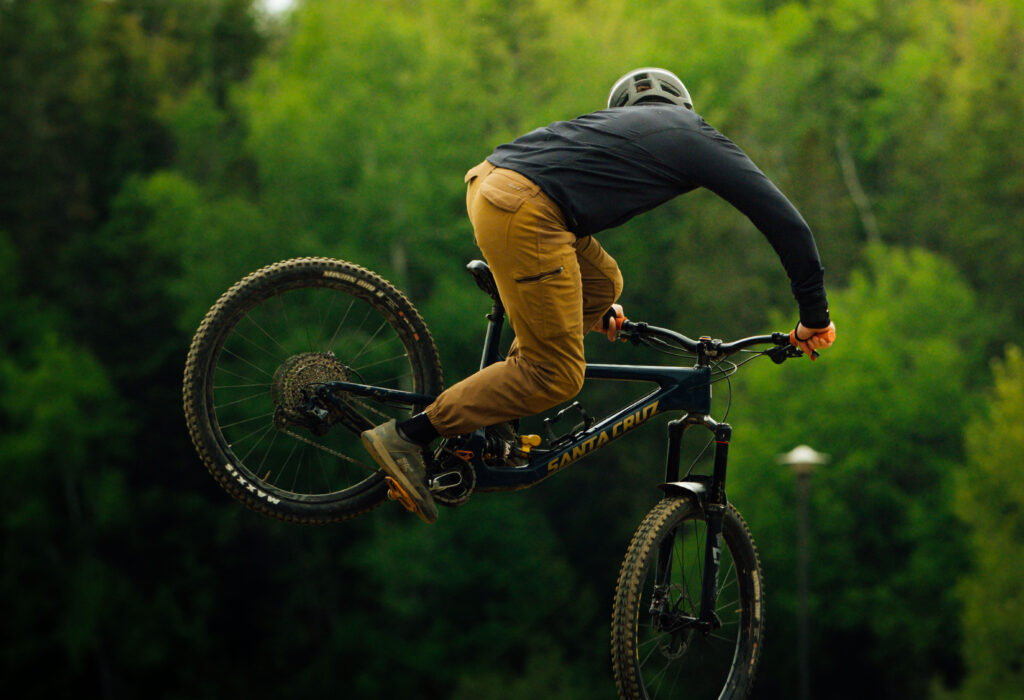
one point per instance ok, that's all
(649, 85)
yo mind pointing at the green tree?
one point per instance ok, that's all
(990, 500)
(59, 415)
(887, 402)
(895, 122)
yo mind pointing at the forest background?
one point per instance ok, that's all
(153, 152)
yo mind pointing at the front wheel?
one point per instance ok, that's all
(657, 650)
(254, 368)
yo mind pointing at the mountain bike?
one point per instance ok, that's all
(296, 360)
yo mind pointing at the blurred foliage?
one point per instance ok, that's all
(881, 508)
(989, 490)
(152, 153)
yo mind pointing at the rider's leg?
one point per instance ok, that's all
(539, 273)
(601, 281)
(533, 257)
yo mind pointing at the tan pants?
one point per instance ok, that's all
(554, 288)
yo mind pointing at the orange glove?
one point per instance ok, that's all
(610, 322)
(811, 339)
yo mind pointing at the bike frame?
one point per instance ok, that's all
(685, 389)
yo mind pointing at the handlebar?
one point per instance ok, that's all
(713, 349)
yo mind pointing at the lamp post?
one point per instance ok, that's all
(802, 460)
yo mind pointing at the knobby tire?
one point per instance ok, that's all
(264, 345)
(653, 662)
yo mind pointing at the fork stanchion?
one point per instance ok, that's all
(676, 428)
(714, 511)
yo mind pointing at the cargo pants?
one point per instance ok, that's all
(554, 287)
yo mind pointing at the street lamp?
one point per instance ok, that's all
(802, 460)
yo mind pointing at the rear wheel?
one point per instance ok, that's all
(657, 650)
(254, 364)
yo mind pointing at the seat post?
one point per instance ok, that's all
(492, 340)
(496, 319)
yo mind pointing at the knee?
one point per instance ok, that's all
(616, 279)
(566, 383)
(600, 296)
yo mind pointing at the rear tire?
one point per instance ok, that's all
(267, 342)
(652, 659)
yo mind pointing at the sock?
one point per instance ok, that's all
(418, 429)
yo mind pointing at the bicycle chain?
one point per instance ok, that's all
(322, 448)
(443, 449)
(330, 451)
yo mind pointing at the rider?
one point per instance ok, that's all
(535, 204)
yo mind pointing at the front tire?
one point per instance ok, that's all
(653, 655)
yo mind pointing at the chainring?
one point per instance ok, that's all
(455, 466)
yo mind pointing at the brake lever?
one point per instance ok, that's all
(781, 353)
(631, 332)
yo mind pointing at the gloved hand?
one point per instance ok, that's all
(811, 339)
(609, 323)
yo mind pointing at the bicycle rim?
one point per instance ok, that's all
(260, 354)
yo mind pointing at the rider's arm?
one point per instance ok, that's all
(716, 163)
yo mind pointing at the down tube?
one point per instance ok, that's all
(683, 389)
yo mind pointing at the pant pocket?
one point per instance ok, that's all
(541, 276)
(551, 301)
(503, 197)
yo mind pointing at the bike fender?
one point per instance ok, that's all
(694, 490)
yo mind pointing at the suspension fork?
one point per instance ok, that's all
(714, 513)
(713, 501)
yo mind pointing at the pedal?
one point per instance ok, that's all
(397, 493)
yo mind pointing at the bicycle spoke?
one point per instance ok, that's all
(219, 406)
(259, 347)
(225, 370)
(268, 429)
(239, 441)
(225, 387)
(267, 454)
(341, 323)
(265, 332)
(326, 314)
(360, 368)
(390, 380)
(367, 344)
(246, 420)
(256, 367)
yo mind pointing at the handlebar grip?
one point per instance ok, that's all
(612, 319)
(798, 344)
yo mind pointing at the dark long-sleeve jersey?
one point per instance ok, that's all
(602, 169)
